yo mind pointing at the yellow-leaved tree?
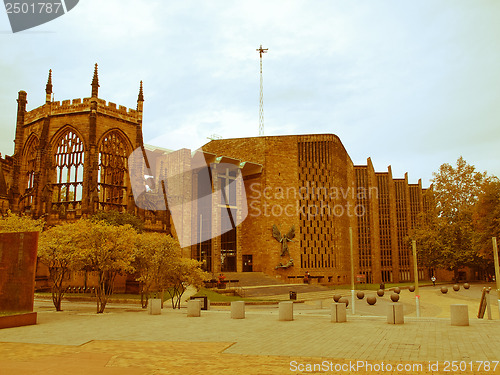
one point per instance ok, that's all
(181, 273)
(20, 223)
(154, 252)
(161, 267)
(59, 248)
(108, 250)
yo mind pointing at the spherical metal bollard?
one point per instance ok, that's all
(380, 292)
(344, 300)
(371, 300)
(456, 287)
(466, 286)
(411, 288)
(394, 297)
(444, 290)
(336, 297)
(397, 290)
(360, 295)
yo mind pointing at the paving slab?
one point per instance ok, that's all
(126, 340)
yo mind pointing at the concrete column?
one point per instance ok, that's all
(286, 311)
(154, 306)
(238, 310)
(193, 307)
(339, 313)
(459, 315)
(395, 313)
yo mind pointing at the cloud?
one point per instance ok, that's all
(409, 84)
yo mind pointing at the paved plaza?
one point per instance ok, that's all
(126, 340)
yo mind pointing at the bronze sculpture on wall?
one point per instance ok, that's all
(284, 239)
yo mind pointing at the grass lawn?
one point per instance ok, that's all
(7, 313)
(115, 296)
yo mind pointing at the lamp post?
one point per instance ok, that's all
(352, 272)
(415, 271)
(497, 270)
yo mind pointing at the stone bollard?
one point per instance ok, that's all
(395, 314)
(154, 306)
(238, 310)
(459, 315)
(339, 314)
(286, 311)
(193, 307)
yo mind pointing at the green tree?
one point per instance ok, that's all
(447, 240)
(20, 223)
(108, 250)
(117, 218)
(59, 249)
(428, 234)
(487, 219)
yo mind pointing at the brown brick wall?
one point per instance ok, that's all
(17, 270)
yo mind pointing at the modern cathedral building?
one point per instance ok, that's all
(304, 195)
(309, 183)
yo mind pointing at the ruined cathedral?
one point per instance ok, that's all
(70, 159)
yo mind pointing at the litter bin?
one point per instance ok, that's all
(382, 286)
(293, 295)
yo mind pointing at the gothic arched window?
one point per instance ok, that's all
(112, 172)
(69, 159)
(30, 157)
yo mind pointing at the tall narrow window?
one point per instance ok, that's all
(69, 158)
(30, 157)
(112, 172)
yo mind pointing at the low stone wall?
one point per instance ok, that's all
(17, 320)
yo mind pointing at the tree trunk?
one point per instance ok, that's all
(162, 296)
(144, 296)
(104, 289)
(56, 299)
(57, 276)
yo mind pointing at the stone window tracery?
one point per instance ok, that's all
(68, 161)
(30, 157)
(112, 172)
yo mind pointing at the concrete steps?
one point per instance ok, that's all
(251, 278)
(303, 293)
(258, 284)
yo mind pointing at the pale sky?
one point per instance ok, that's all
(411, 84)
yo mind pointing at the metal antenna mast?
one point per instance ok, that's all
(261, 108)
